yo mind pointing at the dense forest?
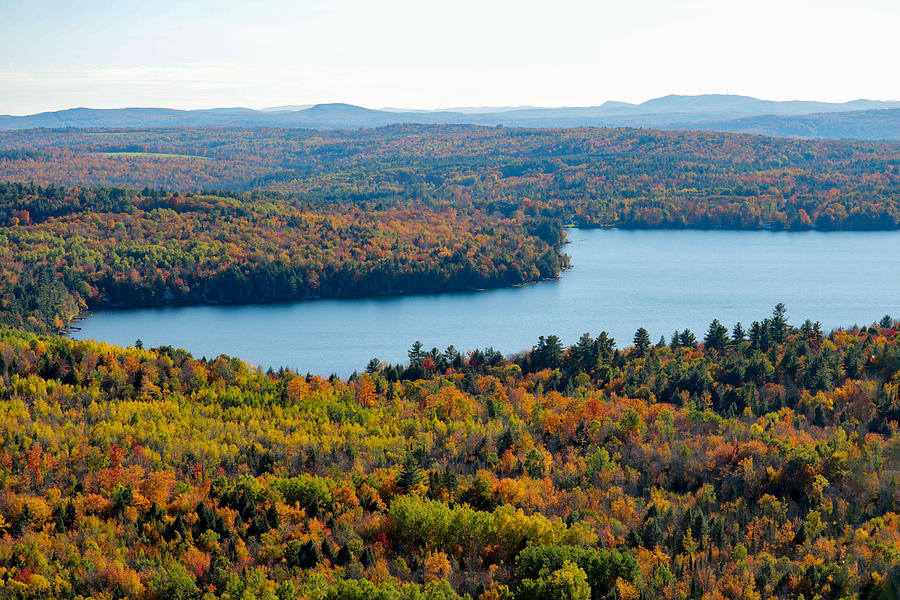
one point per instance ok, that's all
(757, 462)
(304, 214)
(65, 249)
(591, 177)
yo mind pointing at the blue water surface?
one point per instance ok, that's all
(620, 280)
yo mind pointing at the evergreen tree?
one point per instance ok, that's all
(641, 342)
(534, 463)
(778, 327)
(416, 353)
(716, 336)
(605, 346)
(817, 335)
(758, 336)
(305, 555)
(548, 353)
(327, 551)
(367, 558)
(687, 339)
(411, 475)
(585, 353)
(453, 358)
(675, 341)
(344, 556)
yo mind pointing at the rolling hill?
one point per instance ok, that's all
(858, 119)
(881, 124)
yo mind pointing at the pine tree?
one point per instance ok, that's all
(411, 475)
(641, 342)
(778, 325)
(716, 336)
(327, 551)
(344, 556)
(416, 353)
(548, 353)
(687, 339)
(367, 558)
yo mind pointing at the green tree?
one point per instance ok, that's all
(606, 345)
(302, 554)
(601, 567)
(641, 342)
(778, 325)
(309, 491)
(174, 583)
(631, 423)
(534, 463)
(687, 339)
(416, 353)
(585, 353)
(411, 475)
(759, 335)
(548, 353)
(716, 336)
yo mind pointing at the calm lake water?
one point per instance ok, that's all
(619, 281)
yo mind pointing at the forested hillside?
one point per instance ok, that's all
(593, 177)
(754, 464)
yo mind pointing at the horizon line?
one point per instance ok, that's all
(398, 109)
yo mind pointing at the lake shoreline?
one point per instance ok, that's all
(110, 308)
(618, 280)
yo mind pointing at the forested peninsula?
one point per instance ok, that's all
(65, 250)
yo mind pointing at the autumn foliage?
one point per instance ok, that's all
(766, 467)
(589, 176)
(752, 463)
(109, 247)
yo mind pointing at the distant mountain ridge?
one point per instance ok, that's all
(875, 125)
(871, 119)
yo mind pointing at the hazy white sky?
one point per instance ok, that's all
(205, 53)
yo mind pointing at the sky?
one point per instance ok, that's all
(57, 54)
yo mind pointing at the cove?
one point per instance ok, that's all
(620, 280)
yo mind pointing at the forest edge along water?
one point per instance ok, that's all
(619, 280)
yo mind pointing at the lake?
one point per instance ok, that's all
(620, 280)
